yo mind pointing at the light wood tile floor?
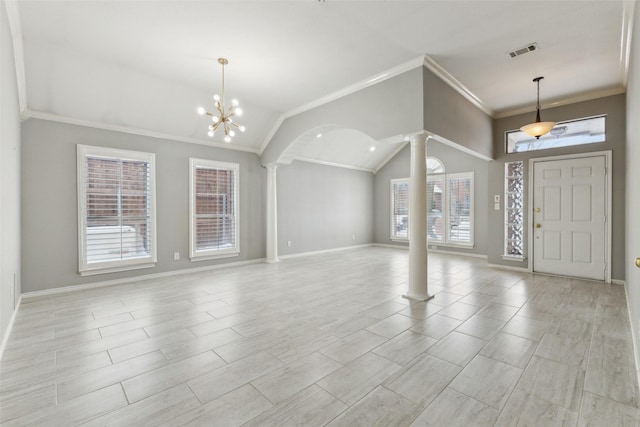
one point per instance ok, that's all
(325, 340)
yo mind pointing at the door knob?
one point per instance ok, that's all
(638, 262)
(538, 225)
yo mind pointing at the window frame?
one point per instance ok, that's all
(393, 236)
(203, 255)
(446, 241)
(84, 267)
(558, 124)
(506, 255)
(448, 178)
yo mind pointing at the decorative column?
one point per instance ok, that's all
(272, 214)
(418, 220)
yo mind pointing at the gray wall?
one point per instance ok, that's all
(455, 161)
(49, 201)
(9, 178)
(322, 207)
(614, 108)
(389, 108)
(633, 178)
(450, 115)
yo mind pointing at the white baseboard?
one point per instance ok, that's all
(324, 251)
(618, 282)
(469, 254)
(437, 251)
(509, 267)
(5, 338)
(86, 286)
(388, 245)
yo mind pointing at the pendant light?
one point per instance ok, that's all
(223, 118)
(538, 128)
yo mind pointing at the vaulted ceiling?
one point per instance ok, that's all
(147, 65)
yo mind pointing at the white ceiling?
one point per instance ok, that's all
(147, 65)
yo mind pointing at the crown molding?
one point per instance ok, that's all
(390, 156)
(458, 147)
(380, 77)
(336, 165)
(628, 8)
(446, 77)
(13, 16)
(564, 101)
(133, 131)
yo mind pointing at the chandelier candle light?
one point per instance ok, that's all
(538, 128)
(223, 117)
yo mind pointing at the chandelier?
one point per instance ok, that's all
(538, 128)
(223, 117)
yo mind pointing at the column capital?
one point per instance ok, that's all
(420, 136)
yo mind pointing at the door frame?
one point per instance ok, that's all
(608, 205)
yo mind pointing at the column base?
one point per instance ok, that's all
(418, 298)
(271, 261)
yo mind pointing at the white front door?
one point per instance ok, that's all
(569, 217)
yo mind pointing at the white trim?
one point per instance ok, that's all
(455, 84)
(472, 219)
(133, 131)
(86, 286)
(509, 267)
(13, 16)
(608, 202)
(212, 257)
(514, 258)
(392, 183)
(390, 156)
(469, 254)
(588, 96)
(619, 282)
(437, 251)
(116, 269)
(272, 133)
(337, 165)
(7, 332)
(324, 251)
(459, 147)
(358, 86)
(102, 267)
(206, 255)
(625, 40)
(387, 245)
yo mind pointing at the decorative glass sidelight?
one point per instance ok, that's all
(514, 209)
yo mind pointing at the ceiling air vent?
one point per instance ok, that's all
(525, 49)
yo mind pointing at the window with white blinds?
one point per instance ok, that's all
(450, 218)
(460, 208)
(116, 210)
(214, 224)
(399, 209)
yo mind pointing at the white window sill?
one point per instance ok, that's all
(449, 245)
(399, 240)
(96, 271)
(513, 258)
(208, 257)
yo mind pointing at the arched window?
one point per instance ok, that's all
(434, 166)
(449, 206)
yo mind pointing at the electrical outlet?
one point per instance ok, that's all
(176, 256)
(353, 237)
(288, 243)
